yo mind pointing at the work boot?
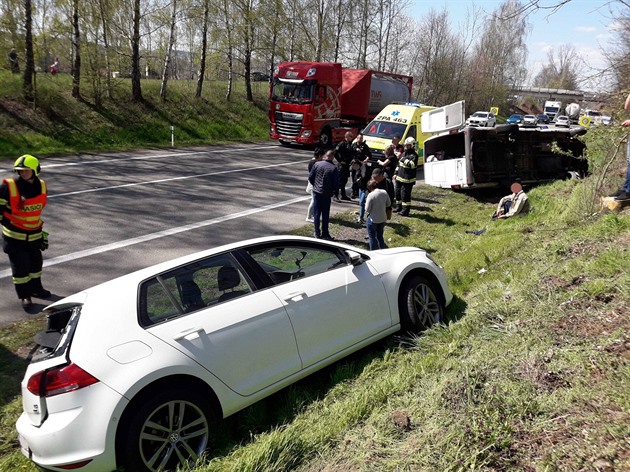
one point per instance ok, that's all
(404, 211)
(622, 197)
(398, 208)
(37, 289)
(27, 303)
(42, 293)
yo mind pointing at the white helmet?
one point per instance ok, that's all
(410, 140)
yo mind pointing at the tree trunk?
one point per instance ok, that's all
(204, 48)
(29, 62)
(108, 83)
(230, 59)
(76, 51)
(169, 52)
(136, 91)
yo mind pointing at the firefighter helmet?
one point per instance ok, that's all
(410, 140)
(27, 162)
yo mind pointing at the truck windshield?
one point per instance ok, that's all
(294, 93)
(384, 129)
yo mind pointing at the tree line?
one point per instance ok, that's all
(478, 60)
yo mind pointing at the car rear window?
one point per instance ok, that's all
(191, 288)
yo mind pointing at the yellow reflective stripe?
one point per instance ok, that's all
(35, 275)
(405, 181)
(21, 280)
(43, 187)
(26, 218)
(3, 202)
(12, 187)
(21, 236)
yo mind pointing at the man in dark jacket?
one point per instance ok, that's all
(362, 153)
(344, 153)
(324, 177)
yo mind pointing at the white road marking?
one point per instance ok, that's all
(159, 234)
(46, 166)
(149, 182)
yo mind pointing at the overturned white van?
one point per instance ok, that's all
(463, 157)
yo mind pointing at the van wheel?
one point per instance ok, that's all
(168, 431)
(420, 304)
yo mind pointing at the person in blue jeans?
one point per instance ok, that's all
(324, 177)
(623, 194)
(376, 205)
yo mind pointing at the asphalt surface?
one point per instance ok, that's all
(110, 214)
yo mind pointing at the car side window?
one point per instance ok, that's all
(290, 262)
(190, 288)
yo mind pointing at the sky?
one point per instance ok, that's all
(584, 24)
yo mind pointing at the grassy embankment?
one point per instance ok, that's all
(530, 372)
(59, 124)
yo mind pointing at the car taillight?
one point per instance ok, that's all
(49, 383)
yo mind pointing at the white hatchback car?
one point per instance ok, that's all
(530, 121)
(563, 121)
(482, 118)
(135, 372)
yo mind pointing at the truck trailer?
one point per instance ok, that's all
(469, 158)
(318, 102)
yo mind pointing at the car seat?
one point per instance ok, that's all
(228, 278)
(191, 296)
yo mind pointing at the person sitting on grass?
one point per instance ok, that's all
(517, 203)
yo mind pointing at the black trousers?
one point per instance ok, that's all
(344, 175)
(403, 195)
(26, 265)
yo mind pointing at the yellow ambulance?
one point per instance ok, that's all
(396, 119)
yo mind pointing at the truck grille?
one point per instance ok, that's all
(288, 125)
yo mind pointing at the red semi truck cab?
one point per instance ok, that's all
(317, 102)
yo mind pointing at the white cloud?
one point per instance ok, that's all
(585, 29)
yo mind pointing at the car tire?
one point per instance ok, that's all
(168, 430)
(420, 304)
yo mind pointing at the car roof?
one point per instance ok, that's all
(137, 276)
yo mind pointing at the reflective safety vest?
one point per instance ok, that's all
(25, 213)
(407, 165)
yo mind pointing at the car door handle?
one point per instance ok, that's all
(294, 297)
(188, 334)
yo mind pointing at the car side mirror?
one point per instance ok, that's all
(354, 258)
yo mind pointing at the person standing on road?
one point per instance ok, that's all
(406, 177)
(318, 154)
(623, 194)
(376, 206)
(344, 153)
(21, 203)
(324, 177)
(362, 154)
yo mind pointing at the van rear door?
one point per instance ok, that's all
(445, 118)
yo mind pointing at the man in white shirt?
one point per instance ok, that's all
(376, 207)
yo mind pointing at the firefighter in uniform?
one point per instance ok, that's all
(406, 177)
(21, 203)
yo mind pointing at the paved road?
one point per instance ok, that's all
(109, 214)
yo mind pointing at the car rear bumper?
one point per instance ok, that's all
(80, 426)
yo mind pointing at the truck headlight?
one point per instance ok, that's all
(306, 133)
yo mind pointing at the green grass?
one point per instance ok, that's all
(57, 123)
(530, 371)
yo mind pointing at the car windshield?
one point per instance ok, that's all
(384, 129)
(480, 114)
(295, 93)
